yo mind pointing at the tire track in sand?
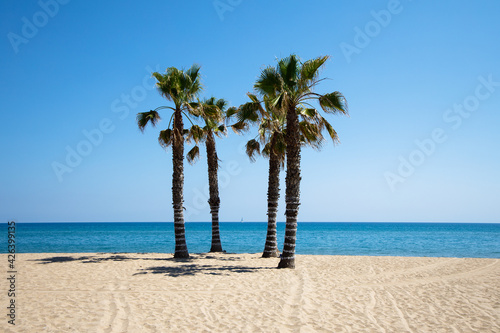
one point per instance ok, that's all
(109, 313)
(399, 312)
(116, 312)
(292, 306)
(369, 310)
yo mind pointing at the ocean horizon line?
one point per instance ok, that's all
(360, 222)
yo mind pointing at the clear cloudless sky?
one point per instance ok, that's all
(422, 80)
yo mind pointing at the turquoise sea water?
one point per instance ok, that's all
(373, 239)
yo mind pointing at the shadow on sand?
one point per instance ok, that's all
(186, 267)
(97, 259)
(194, 269)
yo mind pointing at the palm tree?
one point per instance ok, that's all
(180, 87)
(212, 111)
(271, 136)
(289, 86)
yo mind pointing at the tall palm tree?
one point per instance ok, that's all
(213, 113)
(289, 86)
(271, 136)
(180, 87)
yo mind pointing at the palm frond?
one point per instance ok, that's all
(331, 132)
(162, 85)
(193, 155)
(273, 109)
(231, 112)
(253, 98)
(310, 70)
(165, 138)
(219, 131)
(193, 84)
(222, 129)
(212, 113)
(289, 70)
(269, 82)
(143, 118)
(239, 127)
(333, 103)
(266, 151)
(257, 104)
(211, 124)
(252, 149)
(195, 133)
(194, 72)
(311, 133)
(194, 108)
(248, 112)
(211, 110)
(168, 84)
(263, 130)
(308, 112)
(278, 102)
(221, 104)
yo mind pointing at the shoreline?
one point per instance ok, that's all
(152, 292)
(196, 254)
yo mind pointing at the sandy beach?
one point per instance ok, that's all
(152, 292)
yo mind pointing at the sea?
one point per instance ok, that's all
(474, 240)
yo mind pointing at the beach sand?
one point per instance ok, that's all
(244, 293)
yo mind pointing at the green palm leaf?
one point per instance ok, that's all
(193, 72)
(289, 70)
(143, 118)
(269, 82)
(331, 131)
(248, 112)
(333, 103)
(310, 70)
(308, 113)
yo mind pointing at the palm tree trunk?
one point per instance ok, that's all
(181, 250)
(292, 197)
(273, 194)
(213, 184)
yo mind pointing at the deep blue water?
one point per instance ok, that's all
(373, 239)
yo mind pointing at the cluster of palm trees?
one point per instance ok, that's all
(286, 121)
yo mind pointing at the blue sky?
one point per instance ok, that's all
(422, 80)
